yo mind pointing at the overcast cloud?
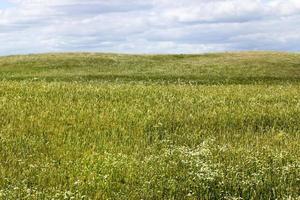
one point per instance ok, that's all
(148, 26)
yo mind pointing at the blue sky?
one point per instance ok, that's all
(148, 26)
(5, 4)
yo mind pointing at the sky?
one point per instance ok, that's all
(148, 26)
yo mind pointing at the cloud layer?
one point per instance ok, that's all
(149, 26)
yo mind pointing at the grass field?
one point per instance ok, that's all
(107, 126)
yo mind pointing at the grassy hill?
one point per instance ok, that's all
(238, 68)
(108, 126)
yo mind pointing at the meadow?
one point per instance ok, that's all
(110, 126)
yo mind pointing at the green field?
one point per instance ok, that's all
(108, 126)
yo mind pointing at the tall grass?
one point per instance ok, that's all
(72, 138)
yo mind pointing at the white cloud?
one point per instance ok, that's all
(149, 26)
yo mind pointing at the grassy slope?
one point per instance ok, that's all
(107, 126)
(208, 68)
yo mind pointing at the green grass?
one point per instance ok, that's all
(106, 126)
(229, 68)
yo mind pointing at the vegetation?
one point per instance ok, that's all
(107, 126)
